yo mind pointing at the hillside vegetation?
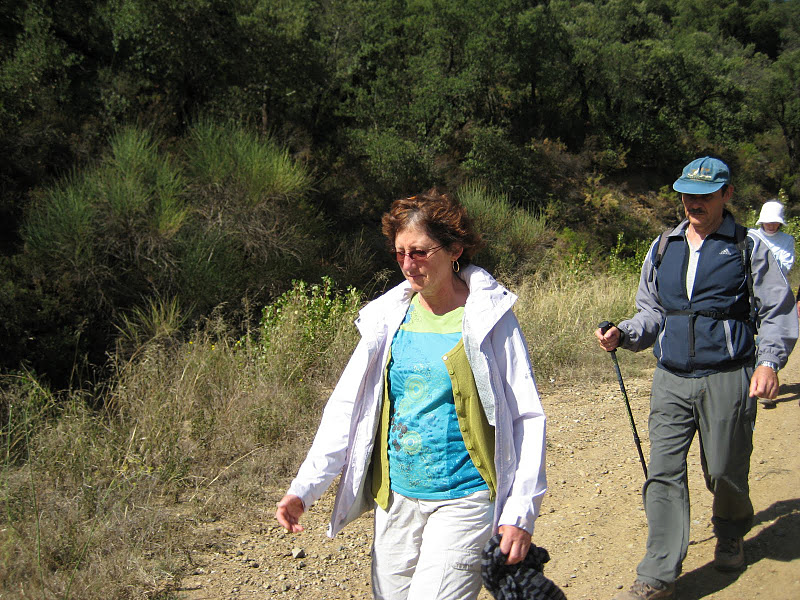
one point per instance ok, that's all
(204, 152)
(191, 193)
(98, 502)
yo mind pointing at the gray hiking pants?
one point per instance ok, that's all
(718, 406)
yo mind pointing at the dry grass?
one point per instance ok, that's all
(97, 504)
(559, 314)
(77, 522)
(102, 504)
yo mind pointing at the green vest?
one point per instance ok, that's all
(478, 435)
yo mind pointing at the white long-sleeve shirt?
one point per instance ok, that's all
(780, 244)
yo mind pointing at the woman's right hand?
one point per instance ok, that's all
(290, 508)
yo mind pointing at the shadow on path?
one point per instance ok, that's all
(788, 392)
(780, 540)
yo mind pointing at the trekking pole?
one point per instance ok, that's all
(605, 326)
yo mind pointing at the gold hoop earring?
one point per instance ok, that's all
(456, 266)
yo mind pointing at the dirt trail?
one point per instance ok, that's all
(592, 521)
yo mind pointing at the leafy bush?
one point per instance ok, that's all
(225, 219)
(528, 175)
(515, 238)
(302, 326)
(394, 164)
(627, 258)
(494, 157)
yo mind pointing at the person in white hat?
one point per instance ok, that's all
(780, 244)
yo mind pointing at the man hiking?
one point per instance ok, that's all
(706, 289)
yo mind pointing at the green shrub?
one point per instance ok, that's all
(226, 219)
(25, 407)
(229, 155)
(158, 321)
(515, 238)
(105, 236)
(252, 215)
(572, 255)
(494, 157)
(627, 258)
(302, 326)
(393, 164)
(61, 227)
(528, 175)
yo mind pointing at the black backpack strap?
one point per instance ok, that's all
(713, 314)
(743, 244)
(663, 240)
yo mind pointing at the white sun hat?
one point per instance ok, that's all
(771, 212)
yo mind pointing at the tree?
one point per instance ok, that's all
(781, 97)
(224, 219)
(37, 106)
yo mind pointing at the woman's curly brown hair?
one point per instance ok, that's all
(442, 217)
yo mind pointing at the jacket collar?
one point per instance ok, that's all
(728, 227)
(391, 306)
(487, 300)
(486, 303)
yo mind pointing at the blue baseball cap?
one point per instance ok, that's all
(703, 176)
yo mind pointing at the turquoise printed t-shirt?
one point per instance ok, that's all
(427, 456)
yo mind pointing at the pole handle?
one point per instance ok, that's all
(605, 326)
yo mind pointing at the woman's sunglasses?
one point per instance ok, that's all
(415, 255)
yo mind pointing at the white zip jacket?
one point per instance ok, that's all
(781, 245)
(498, 355)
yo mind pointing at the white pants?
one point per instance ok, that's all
(430, 549)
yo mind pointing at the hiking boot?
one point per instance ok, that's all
(644, 591)
(729, 554)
